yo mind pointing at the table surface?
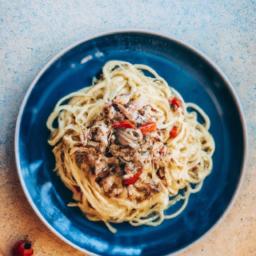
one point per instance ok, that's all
(31, 32)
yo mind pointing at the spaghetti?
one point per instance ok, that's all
(128, 147)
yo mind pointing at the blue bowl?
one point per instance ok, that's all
(188, 71)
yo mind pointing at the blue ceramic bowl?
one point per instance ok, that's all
(187, 70)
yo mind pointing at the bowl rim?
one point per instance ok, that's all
(149, 33)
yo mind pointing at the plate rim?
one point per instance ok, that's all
(150, 33)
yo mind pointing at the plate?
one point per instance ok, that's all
(195, 77)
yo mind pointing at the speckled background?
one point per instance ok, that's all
(31, 32)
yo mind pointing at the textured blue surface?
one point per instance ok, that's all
(195, 79)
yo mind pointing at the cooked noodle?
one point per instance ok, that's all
(94, 158)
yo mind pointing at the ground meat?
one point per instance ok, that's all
(125, 112)
(112, 185)
(100, 133)
(109, 112)
(110, 153)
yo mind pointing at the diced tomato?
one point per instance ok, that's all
(123, 124)
(175, 103)
(173, 132)
(148, 127)
(132, 179)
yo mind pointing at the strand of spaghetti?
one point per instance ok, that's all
(182, 208)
